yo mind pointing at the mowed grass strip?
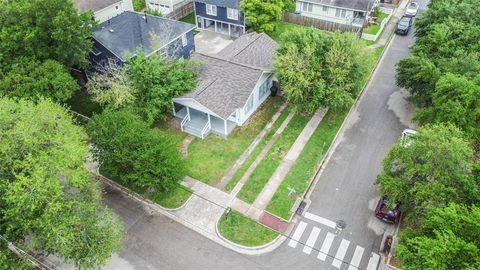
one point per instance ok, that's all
(244, 231)
(270, 162)
(209, 159)
(256, 151)
(304, 168)
(173, 199)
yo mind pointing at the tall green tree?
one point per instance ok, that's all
(448, 238)
(317, 69)
(156, 81)
(133, 154)
(432, 171)
(261, 15)
(33, 80)
(44, 29)
(48, 202)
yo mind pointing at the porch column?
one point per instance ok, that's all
(215, 25)
(209, 123)
(225, 122)
(188, 113)
(229, 33)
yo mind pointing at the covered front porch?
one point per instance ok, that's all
(201, 124)
(220, 27)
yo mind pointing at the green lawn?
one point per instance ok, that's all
(372, 29)
(241, 171)
(300, 174)
(270, 162)
(244, 231)
(174, 199)
(209, 159)
(381, 16)
(190, 18)
(174, 134)
(306, 164)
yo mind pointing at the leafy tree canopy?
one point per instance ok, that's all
(44, 29)
(133, 154)
(434, 170)
(157, 81)
(448, 238)
(30, 79)
(48, 202)
(318, 69)
(261, 15)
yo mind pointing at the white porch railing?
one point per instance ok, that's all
(184, 121)
(206, 128)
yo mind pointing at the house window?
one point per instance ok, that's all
(211, 10)
(307, 7)
(249, 105)
(184, 40)
(341, 13)
(232, 13)
(325, 9)
(264, 88)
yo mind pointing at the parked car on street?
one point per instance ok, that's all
(404, 25)
(412, 9)
(383, 212)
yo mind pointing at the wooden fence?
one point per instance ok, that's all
(318, 23)
(181, 10)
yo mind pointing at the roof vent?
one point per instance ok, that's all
(111, 30)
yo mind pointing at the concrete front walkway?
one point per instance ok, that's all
(228, 176)
(271, 187)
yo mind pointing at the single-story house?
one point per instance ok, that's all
(223, 16)
(231, 86)
(349, 12)
(104, 9)
(118, 38)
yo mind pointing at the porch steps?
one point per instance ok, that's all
(195, 128)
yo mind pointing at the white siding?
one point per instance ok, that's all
(328, 15)
(257, 100)
(113, 10)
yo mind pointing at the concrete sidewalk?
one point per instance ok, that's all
(286, 164)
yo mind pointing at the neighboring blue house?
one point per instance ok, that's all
(118, 38)
(223, 16)
(231, 87)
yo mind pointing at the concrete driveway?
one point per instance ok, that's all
(209, 42)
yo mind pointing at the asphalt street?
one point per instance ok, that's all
(345, 192)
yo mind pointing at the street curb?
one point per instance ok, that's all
(213, 237)
(268, 246)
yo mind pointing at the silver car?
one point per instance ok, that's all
(412, 9)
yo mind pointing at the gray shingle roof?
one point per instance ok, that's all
(223, 86)
(222, 3)
(252, 49)
(360, 5)
(124, 33)
(228, 78)
(94, 5)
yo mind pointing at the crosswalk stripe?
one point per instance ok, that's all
(342, 250)
(311, 240)
(373, 262)
(357, 257)
(297, 234)
(321, 220)
(327, 243)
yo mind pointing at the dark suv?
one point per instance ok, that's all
(404, 25)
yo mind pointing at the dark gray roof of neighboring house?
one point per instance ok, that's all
(222, 3)
(360, 5)
(252, 49)
(228, 78)
(124, 33)
(95, 5)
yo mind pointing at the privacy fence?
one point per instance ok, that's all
(181, 10)
(319, 23)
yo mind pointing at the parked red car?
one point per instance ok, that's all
(383, 212)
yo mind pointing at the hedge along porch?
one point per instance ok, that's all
(231, 86)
